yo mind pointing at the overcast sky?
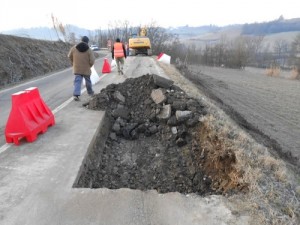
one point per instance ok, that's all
(96, 14)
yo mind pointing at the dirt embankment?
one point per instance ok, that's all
(25, 58)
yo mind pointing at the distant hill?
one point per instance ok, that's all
(277, 26)
(266, 28)
(46, 33)
(43, 33)
(273, 31)
(208, 33)
(187, 31)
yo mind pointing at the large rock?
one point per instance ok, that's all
(119, 97)
(162, 82)
(183, 115)
(158, 96)
(121, 112)
(165, 112)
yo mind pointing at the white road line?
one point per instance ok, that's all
(4, 147)
(63, 105)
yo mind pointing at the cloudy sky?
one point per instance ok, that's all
(96, 14)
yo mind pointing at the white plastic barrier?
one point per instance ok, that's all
(94, 76)
(113, 64)
(162, 57)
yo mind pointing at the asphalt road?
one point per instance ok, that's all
(54, 88)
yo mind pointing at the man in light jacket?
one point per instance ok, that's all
(82, 59)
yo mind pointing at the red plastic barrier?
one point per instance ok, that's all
(106, 66)
(28, 117)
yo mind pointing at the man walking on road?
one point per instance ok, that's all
(119, 54)
(82, 59)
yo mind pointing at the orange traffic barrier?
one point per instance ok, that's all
(106, 66)
(28, 117)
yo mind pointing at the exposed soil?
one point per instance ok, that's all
(154, 142)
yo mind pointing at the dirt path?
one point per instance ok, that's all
(267, 107)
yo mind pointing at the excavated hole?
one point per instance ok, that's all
(142, 145)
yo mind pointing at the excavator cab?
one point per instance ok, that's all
(143, 32)
(140, 44)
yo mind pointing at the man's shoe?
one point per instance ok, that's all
(76, 98)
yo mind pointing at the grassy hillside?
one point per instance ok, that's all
(24, 58)
(276, 26)
(273, 31)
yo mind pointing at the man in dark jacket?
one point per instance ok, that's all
(119, 54)
(82, 59)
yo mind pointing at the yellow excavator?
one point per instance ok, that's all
(140, 44)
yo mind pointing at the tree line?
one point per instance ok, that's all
(275, 26)
(238, 53)
(246, 51)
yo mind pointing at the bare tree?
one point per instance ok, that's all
(54, 23)
(296, 53)
(219, 51)
(161, 40)
(120, 30)
(242, 51)
(281, 51)
(60, 29)
(254, 48)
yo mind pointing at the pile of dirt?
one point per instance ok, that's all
(143, 105)
(153, 141)
(24, 58)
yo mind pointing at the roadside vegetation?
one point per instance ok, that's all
(247, 51)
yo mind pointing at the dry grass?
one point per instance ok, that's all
(242, 165)
(219, 160)
(273, 71)
(294, 74)
(271, 187)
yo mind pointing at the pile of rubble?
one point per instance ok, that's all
(153, 138)
(143, 106)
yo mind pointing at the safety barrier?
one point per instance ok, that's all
(94, 77)
(162, 57)
(28, 117)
